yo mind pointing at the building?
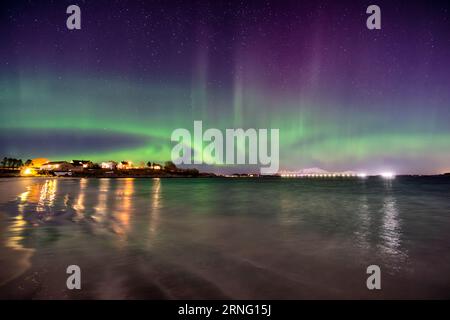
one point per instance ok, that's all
(124, 165)
(85, 164)
(62, 166)
(154, 166)
(109, 165)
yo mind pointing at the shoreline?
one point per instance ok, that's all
(106, 176)
(210, 176)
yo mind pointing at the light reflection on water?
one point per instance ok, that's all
(155, 208)
(363, 232)
(391, 227)
(47, 195)
(79, 202)
(16, 228)
(386, 236)
(278, 226)
(102, 206)
(391, 230)
(123, 207)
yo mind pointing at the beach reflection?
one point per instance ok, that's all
(47, 195)
(15, 230)
(111, 204)
(155, 207)
(15, 236)
(391, 227)
(378, 224)
(79, 205)
(363, 232)
(390, 232)
(102, 201)
(123, 208)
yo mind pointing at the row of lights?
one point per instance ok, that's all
(385, 175)
(317, 175)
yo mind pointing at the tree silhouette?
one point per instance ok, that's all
(170, 166)
(11, 163)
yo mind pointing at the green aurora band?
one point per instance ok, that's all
(310, 134)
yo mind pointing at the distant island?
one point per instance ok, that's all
(11, 167)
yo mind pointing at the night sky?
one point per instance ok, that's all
(344, 97)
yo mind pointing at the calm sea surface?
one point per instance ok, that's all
(224, 238)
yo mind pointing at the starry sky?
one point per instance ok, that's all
(343, 97)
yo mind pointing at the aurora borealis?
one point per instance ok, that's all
(344, 97)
